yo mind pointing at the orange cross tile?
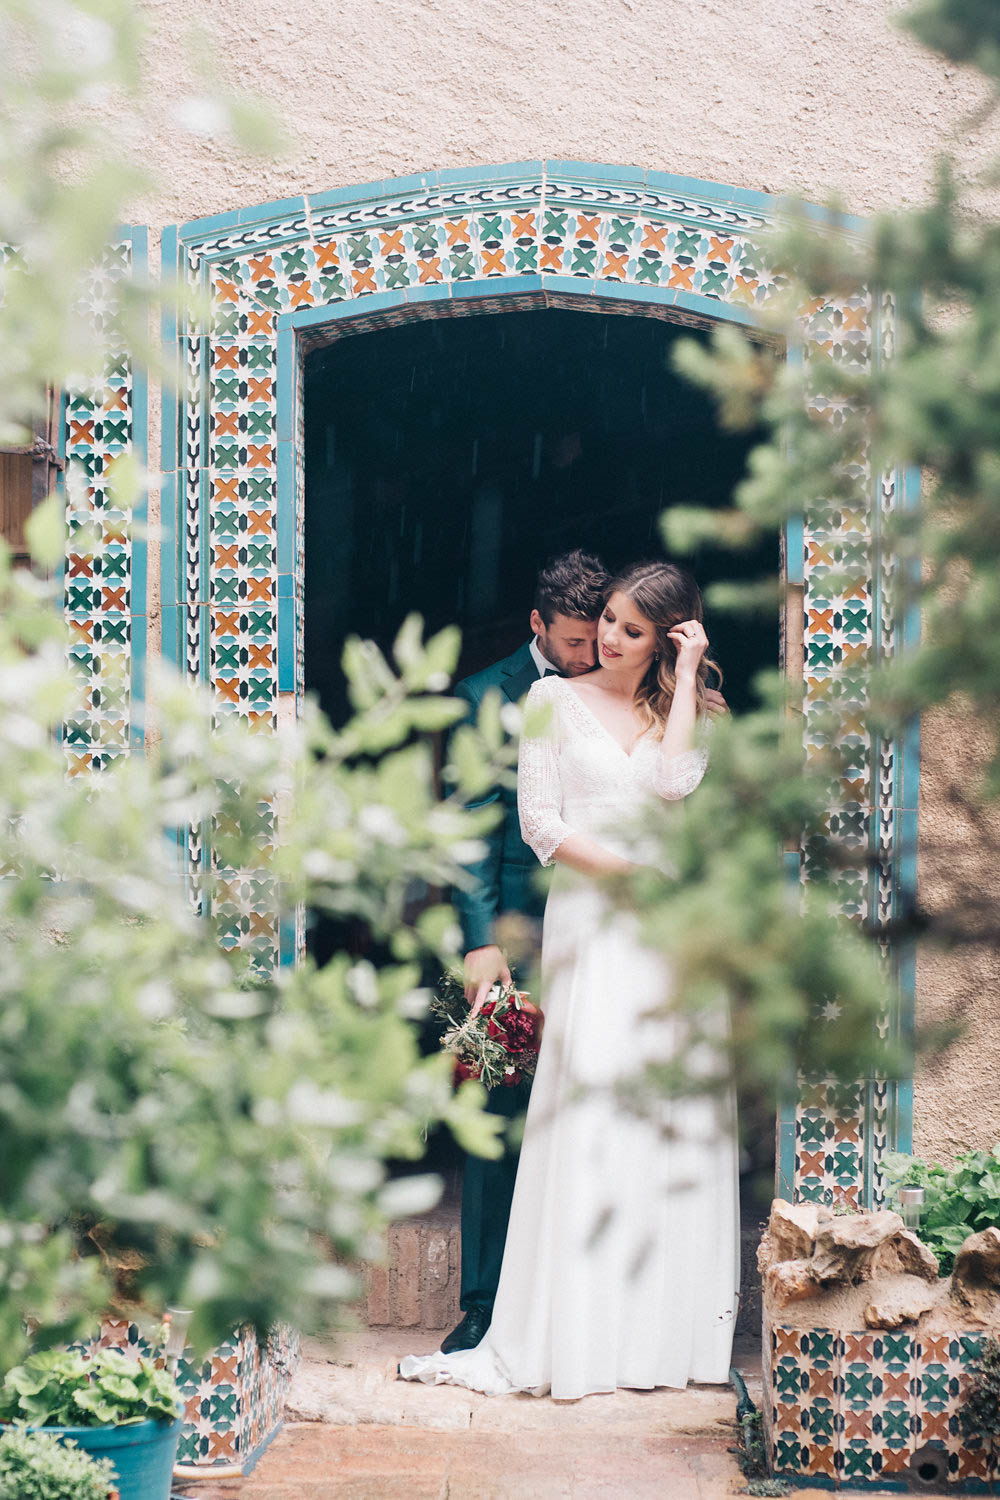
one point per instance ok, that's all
(225, 489)
(821, 1461)
(326, 255)
(552, 257)
(430, 270)
(896, 1386)
(812, 1163)
(821, 1382)
(854, 653)
(80, 567)
(261, 923)
(81, 432)
(856, 1346)
(847, 1130)
(392, 242)
(971, 1461)
(261, 723)
(229, 692)
(259, 455)
(820, 554)
(115, 400)
(258, 588)
(855, 319)
(259, 390)
(820, 619)
(83, 630)
(588, 228)
(786, 1341)
(260, 656)
(718, 248)
(935, 1347)
(258, 521)
(227, 557)
(458, 233)
(222, 1445)
(614, 265)
(492, 262)
(260, 321)
(523, 226)
(225, 1370)
(227, 624)
(933, 1425)
(227, 423)
(113, 598)
(744, 288)
(859, 591)
(226, 356)
(301, 293)
(681, 276)
(79, 764)
(364, 279)
(655, 237)
(261, 267)
(225, 291)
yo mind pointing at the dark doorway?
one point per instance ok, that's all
(448, 458)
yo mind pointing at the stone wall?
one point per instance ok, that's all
(815, 97)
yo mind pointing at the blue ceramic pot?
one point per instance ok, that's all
(142, 1453)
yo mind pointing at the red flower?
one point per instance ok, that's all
(523, 1029)
(463, 1070)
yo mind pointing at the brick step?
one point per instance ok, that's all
(418, 1286)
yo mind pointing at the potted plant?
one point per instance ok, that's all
(37, 1466)
(113, 1407)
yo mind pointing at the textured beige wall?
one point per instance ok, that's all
(800, 95)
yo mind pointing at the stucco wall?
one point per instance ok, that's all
(804, 96)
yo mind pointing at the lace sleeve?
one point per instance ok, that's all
(676, 776)
(539, 790)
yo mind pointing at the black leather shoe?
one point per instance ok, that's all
(470, 1331)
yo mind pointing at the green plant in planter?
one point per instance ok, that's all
(979, 1415)
(55, 1388)
(958, 1200)
(37, 1466)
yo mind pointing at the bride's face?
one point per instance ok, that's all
(626, 640)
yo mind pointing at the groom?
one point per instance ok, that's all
(569, 596)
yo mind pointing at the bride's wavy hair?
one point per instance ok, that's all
(665, 595)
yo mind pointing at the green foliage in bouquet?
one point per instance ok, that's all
(958, 1200)
(499, 1045)
(37, 1466)
(59, 1388)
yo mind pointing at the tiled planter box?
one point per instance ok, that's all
(852, 1410)
(234, 1401)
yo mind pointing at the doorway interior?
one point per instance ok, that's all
(446, 459)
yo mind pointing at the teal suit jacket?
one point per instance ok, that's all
(506, 874)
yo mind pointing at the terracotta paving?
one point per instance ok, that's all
(355, 1432)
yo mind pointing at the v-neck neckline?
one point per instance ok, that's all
(628, 754)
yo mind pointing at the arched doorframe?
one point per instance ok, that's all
(282, 276)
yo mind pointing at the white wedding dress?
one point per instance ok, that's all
(621, 1260)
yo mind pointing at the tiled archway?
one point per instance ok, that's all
(282, 276)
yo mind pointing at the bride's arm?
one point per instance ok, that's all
(680, 766)
(539, 802)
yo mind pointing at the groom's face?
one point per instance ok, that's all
(568, 643)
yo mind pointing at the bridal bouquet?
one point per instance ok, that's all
(499, 1046)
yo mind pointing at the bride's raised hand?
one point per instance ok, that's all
(691, 642)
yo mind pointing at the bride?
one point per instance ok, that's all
(621, 1260)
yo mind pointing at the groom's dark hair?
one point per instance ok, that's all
(573, 585)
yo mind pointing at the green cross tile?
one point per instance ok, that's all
(258, 489)
(113, 701)
(554, 226)
(397, 276)
(294, 261)
(230, 270)
(812, 1131)
(115, 429)
(647, 271)
(688, 242)
(226, 390)
(226, 321)
(787, 1453)
(225, 590)
(262, 889)
(490, 227)
(333, 288)
(79, 595)
(77, 731)
(359, 247)
(462, 266)
(261, 689)
(260, 356)
(525, 257)
(118, 369)
(268, 296)
(858, 1382)
(621, 231)
(822, 654)
(584, 261)
(820, 1421)
(811, 1190)
(113, 632)
(970, 1348)
(896, 1424)
(820, 1346)
(259, 554)
(857, 1461)
(227, 656)
(713, 283)
(425, 237)
(259, 622)
(113, 565)
(856, 617)
(787, 1377)
(226, 456)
